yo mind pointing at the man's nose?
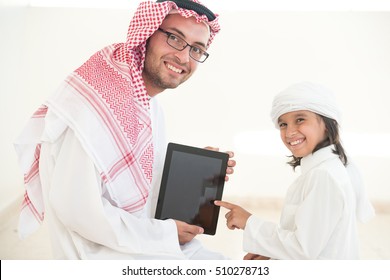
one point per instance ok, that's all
(184, 55)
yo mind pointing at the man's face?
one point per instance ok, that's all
(166, 67)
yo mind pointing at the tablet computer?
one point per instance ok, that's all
(192, 179)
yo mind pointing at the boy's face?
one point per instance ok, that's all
(301, 131)
(166, 67)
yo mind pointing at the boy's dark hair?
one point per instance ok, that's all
(332, 131)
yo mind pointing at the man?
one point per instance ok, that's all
(93, 154)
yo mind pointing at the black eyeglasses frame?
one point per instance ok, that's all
(169, 34)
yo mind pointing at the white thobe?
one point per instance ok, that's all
(84, 224)
(318, 220)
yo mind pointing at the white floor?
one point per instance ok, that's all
(374, 236)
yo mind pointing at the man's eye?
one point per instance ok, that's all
(281, 125)
(174, 37)
(197, 50)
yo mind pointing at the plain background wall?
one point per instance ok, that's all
(227, 102)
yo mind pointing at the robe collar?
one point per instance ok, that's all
(312, 160)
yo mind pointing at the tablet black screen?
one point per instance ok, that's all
(192, 179)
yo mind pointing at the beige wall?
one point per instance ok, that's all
(227, 102)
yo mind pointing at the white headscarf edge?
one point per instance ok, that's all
(306, 96)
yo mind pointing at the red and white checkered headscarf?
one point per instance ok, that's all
(106, 104)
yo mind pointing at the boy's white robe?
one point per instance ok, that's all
(318, 220)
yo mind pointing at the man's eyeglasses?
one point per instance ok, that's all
(179, 44)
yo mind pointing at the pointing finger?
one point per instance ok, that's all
(224, 204)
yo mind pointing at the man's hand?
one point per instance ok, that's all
(187, 232)
(231, 162)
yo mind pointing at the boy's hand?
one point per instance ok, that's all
(236, 217)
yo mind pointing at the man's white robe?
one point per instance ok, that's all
(84, 224)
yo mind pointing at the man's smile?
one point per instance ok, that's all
(173, 68)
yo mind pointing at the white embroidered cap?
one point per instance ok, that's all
(305, 96)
